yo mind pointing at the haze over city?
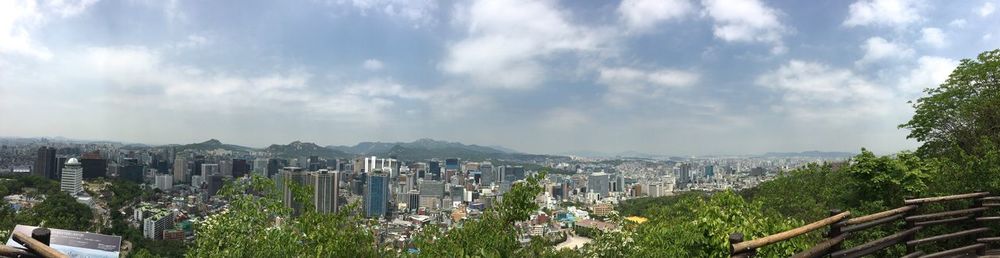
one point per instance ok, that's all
(667, 77)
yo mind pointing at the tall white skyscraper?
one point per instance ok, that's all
(164, 182)
(72, 177)
(208, 170)
(180, 169)
(324, 184)
(260, 167)
(390, 166)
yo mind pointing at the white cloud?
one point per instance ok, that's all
(17, 19)
(930, 72)
(933, 37)
(508, 42)
(565, 119)
(816, 92)
(627, 85)
(882, 13)
(140, 76)
(642, 15)
(877, 48)
(958, 23)
(193, 41)
(418, 11)
(746, 21)
(372, 65)
(20, 18)
(986, 9)
(67, 8)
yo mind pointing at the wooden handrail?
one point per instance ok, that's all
(913, 255)
(823, 247)
(987, 218)
(943, 221)
(990, 198)
(843, 227)
(885, 241)
(945, 198)
(760, 242)
(953, 252)
(988, 239)
(944, 214)
(870, 224)
(880, 215)
(947, 236)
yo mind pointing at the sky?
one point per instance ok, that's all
(674, 77)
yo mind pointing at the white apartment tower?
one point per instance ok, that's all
(72, 177)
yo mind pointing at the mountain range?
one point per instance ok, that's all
(425, 144)
(417, 150)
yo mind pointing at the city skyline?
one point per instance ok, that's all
(665, 77)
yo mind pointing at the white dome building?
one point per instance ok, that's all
(72, 177)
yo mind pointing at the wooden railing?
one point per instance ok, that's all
(840, 227)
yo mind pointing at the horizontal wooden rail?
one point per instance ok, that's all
(870, 224)
(988, 239)
(991, 205)
(990, 198)
(760, 242)
(875, 245)
(876, 216)
(987, 218)
(956, 251)
(819, 250)
(913, 255)
(944, 214)
(943, 221)
(947, 236)
(945, 198)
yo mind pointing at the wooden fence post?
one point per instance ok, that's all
(977, 203)
(736, 238)
(835, 231)
(909, 225)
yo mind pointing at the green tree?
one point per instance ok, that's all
(889, 179)
(699, 227)
(257, 224)
(58, 210)
(7, 217)
(494, 234)
(806, 193)
(963, 113)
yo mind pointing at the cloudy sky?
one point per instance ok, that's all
(680, 77)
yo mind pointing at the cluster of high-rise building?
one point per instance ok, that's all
(401, 195)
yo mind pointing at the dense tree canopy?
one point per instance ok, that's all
(962, 113)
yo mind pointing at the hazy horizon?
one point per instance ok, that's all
(664, 77)
(568, 152)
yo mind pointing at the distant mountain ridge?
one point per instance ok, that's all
(304, 149)
(425, 143)
(211, 144)
(815, 154)
(424, 149)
